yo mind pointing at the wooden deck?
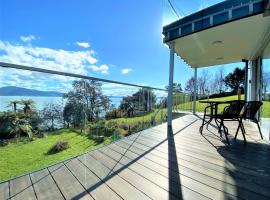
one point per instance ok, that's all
(152, 165)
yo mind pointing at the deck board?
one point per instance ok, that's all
(117, 183)
(4, 191)
(154, 165)
(213, 179)
(44, 186)
(162, 179)
(90, 181)
(67, 183)
(138, 181)
(21, 188)
(199, 173)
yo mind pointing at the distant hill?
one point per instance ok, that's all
(18, 91)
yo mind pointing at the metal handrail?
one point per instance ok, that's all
(47, 71)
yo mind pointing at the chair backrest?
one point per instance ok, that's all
(251, 108)
(234, 108)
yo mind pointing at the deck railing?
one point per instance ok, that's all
(48, 116)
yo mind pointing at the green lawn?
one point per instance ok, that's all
(200, 106)
(146, 118)
(189, 106)
(20, 157)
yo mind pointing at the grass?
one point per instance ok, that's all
(146, 118)
(21, 157)
(200, 106)
(188, 106)
(17, 158)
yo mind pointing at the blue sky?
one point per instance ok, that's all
(118, 40)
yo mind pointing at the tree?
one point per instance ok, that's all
(190, 85)
(220, 80)
(266, 84)
(203, 81)
(52, 113)
(235, 79)
(217, 83)
(29, 105)
(127, 105)
(177, 87)
(144, 99)
(85, 97)
(14, 104)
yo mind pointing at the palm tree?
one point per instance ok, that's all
(14, 104)
(28, 106)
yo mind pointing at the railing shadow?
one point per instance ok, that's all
(173, 170)
(174, 184)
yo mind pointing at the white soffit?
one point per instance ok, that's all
(266, 53)
(227, 43)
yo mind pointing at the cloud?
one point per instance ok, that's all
(47, 58)
(28, 38)
(103, 69)
(77, 62)
(83, 44)
(126, 70)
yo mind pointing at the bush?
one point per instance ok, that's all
(97, 128)
(7, 120)
(222, 94)
(110, 128)
(26, 130)
(102, 128)
(115, 113)
(121, 132)
(14, 125)
(58, 147)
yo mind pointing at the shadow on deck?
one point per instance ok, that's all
(152, 164)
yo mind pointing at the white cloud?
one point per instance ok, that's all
(102, 68)
(47, 58)
(126, 70)
(83, 44)
(77, 62)
(28, 38)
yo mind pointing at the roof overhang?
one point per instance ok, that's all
(244, 33)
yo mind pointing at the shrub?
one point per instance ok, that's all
(115, 113)
(110, 128)
(14, 125)
(58, 147)
(26, 130)
(97, 128)
(121, 132)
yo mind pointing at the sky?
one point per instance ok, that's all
(119, 40)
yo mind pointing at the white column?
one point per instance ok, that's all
(254, 80)
(170, 88)
(246, 80)
(195, 91)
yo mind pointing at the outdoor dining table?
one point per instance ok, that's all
(213, 110)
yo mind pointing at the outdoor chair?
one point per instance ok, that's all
(250, 111)
(232, 112)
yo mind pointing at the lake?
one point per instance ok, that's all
(40, 102)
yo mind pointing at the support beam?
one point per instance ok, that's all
(195, 91)
(170, 89)
(246, 80)
(255, 80)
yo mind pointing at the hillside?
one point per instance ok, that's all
(19, 91)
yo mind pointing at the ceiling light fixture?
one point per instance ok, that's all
(220, 58)
(218, 42)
